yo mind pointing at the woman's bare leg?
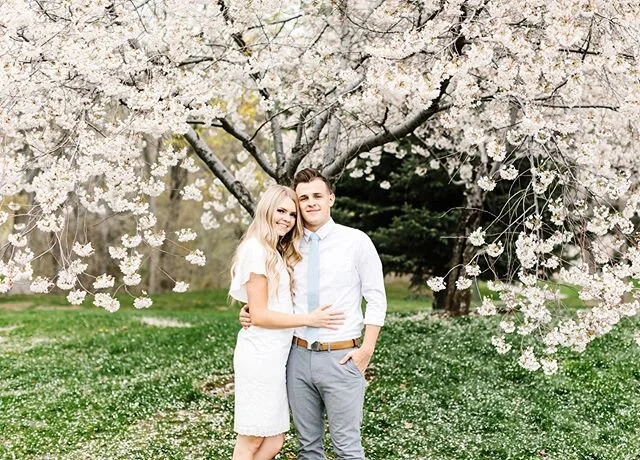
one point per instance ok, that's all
(269, 447)
(246, 447)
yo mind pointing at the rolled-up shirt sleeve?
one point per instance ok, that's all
(372, 282)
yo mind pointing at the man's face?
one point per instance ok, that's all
(315, 203)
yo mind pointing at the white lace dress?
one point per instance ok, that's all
(260, 356)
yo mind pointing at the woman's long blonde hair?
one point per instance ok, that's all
(262, 228)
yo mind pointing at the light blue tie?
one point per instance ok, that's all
(313, 282)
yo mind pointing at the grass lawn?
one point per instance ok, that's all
(81, 383)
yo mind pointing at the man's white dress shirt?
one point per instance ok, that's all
(350, 269)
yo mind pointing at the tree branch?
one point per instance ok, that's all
(332, 141)
(553, 93)
(243, 48)
(279, 21)
(299, 150)
(300, 128)
(392, 134)
(236, 187)
(586, 52)
(316, 40)
(302, 150)
(276, 129)
(582, 106)
(278, 146)
(248, 145)
(197, 60)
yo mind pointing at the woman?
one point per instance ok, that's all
(262, 277)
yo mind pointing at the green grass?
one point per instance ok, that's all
(83, 383)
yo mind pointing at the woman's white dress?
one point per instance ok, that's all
(260, 357)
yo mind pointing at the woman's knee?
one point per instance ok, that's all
(278, 441)
(249, 443)
(270, 447)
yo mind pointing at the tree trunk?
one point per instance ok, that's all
(150, 152)
(453, 301)
(179, 178)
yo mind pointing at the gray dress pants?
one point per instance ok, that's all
(318, 384)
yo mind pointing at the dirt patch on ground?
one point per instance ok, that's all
(20, 306)
(58, 307)
(15, 306)
(217, 385)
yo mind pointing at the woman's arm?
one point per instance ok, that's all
(257, 293)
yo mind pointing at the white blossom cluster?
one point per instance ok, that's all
(544, 96)
(559, 114)
(83, 85)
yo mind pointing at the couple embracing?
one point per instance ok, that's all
(303, 277)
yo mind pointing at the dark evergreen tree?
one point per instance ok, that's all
(412, 222)
(419, 223)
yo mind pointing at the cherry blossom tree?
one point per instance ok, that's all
(543, 92)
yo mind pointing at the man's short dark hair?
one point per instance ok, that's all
(307, 175)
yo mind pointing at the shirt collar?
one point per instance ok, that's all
(323, 231)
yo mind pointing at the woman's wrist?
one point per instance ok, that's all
(307, 320)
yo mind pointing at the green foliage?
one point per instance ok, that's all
(83, 383)
(410, 223)
(416, 221)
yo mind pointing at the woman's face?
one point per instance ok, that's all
(284, 217)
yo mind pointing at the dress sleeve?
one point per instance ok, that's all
(251, 259)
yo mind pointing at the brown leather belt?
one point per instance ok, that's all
(326, 346)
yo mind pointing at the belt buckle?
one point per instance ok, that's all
(315, 346)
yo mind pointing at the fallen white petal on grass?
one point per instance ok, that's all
(178, 426)
(163, 322)
(5, 329)
(21, 345)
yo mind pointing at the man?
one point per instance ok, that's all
(325, 370)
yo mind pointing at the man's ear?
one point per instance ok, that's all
(332, 199)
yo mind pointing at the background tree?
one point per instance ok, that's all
(410, 211)
(415, 213)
